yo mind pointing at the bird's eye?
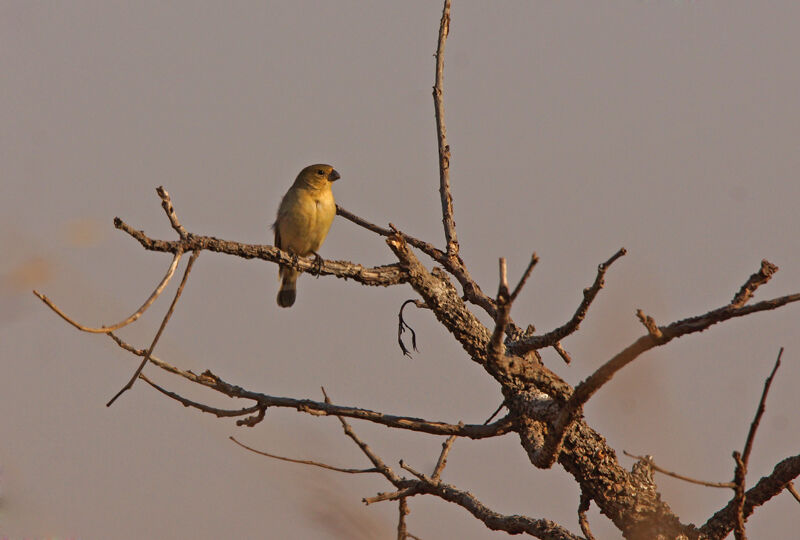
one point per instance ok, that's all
(320, 172)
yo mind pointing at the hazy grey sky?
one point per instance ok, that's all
(670, 128)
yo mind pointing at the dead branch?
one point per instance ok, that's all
(791, 489)
(472, 291)
(757, 279)
(652, 464)
(441, 136)
(551, 338)
(742, 459)
(586, 389)
(166, 204)
(138, 313)
(303, 461)
(723, 521)
(751, 435)
(583, 507)
(220, 413)
(441, 463)
(524, 278)
(377, 276)
(164, 321)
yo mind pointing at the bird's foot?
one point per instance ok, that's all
(318, 261)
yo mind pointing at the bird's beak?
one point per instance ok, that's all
(334, 175)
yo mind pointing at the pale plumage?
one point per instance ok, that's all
(304, 218)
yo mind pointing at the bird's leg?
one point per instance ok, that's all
(317, 264)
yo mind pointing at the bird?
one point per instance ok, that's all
(304, 218)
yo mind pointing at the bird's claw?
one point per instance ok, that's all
(318, 261)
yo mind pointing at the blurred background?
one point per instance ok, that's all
(669, 128)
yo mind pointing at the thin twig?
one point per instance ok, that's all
(583, 507)
(748, 445)
(791, 489)
(304, 461)
(496, 411)
(722, 522)
(164, 321)
(649, 324)
(586, 389)
(747, 290)
(496, 348)
(441, 463)
(402, 530)
(554, 336)
(742, 459)
(562, 353)
(441, 136)
(166, 204)
(221, 413)
(138, 313)
(425, 247)
(210, 380)
(649, 460)
(376, 460)
(472, 291)
(738, 499)
(524, 278)
(391, 495)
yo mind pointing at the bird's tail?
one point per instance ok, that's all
(288, 290)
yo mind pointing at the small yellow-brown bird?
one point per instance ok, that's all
(304, 218)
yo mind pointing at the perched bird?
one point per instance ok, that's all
(304, 217)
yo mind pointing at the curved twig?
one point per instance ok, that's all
(138, 313)
(304, 461)
(652, 464)
(164, 321)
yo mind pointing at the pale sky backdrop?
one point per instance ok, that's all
(671, 128)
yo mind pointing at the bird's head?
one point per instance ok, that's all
(318, 176)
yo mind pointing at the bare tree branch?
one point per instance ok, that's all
(763, 275)
(723, 521)
(524, 278)
(738, 499)
(304, 461)
(742, 460)
(553, 337)
(602, 375)
(402, 529)
(441, 463)
(791, 489)
(164, 321)
(220, 413)
(649, 460)
(316, 408)
(138, 313)
(562, 353)
(378, 276)
(166, 204)
(441, 135)
(425, 247)
(762, 406)
(583, 507)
